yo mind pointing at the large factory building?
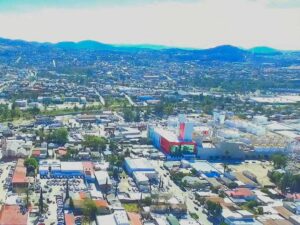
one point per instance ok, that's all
(174, 142)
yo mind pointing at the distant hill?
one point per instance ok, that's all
(226, 53)
(87, 44)
(263, 50)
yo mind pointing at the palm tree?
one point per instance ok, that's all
(41, 202)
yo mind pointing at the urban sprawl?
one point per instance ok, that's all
(148, 137)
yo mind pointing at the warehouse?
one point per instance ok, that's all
(58, 169)
(205, 168)
(138, 164)
(103, 180)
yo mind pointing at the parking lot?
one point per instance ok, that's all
(6, 173)
(53, 192)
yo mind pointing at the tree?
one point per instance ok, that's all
(129, 115)
(89, 210)
(59, 136)
(214, 209)
(147, 201)
(276, 177)
(137, 116)
(94, 142)
(34, 111)
(260, 210)
(279, 161)
(31, 165)
(225, 166)
(232, 185)
(113, 146)
(116, 160)
(251, 204)
(71, 204)
(27, 197)
(285, 182)
(31, 162)
(41, 202)
(67, 189)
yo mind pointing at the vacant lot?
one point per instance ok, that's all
(260, 169)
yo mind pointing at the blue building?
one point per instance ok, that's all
(57, 169)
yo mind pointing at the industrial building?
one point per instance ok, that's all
(176, 139)
(204, 167)
(142, 172)
(58, 169)
(103, 180)
(138, 165)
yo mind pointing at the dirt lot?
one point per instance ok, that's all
(258, 168)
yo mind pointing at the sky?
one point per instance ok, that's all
(180, 23)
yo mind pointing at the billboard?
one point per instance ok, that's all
(175, 150)
(187, 149)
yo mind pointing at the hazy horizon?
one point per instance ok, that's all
(186, 23)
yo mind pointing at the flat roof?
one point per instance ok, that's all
(203, 166)
(121, 217)
(102, 176)
(169, 135)
(139, 163)
(71, 166)
(106, 219)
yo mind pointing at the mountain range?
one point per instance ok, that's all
(223, 52)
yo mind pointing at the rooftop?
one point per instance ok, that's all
(19, 175)
(11, 215)
(169, 135)
(139, 163)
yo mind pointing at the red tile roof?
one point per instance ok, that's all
(36, 152)
(135, 218)
(240, 192)
(19, 175)
(295, 196)
(61, 152)
(69, 219)
(11, 215)
(101, 203)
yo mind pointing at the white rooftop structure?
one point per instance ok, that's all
(140, 177)
(102, 177)
(139, 163)
(13, 147)
(106, 220)
(169, 135)
(71, 166)
(188, 222)
(203, 166)
(161, 221)
(121, 217)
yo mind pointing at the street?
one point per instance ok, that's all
(176, 191)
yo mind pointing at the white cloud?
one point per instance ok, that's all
(201, 24)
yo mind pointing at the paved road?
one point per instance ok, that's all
(101, 99)
(178, 192)
(130, 100)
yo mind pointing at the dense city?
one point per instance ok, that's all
(106, 135)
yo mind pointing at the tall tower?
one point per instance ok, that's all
(185, 129)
